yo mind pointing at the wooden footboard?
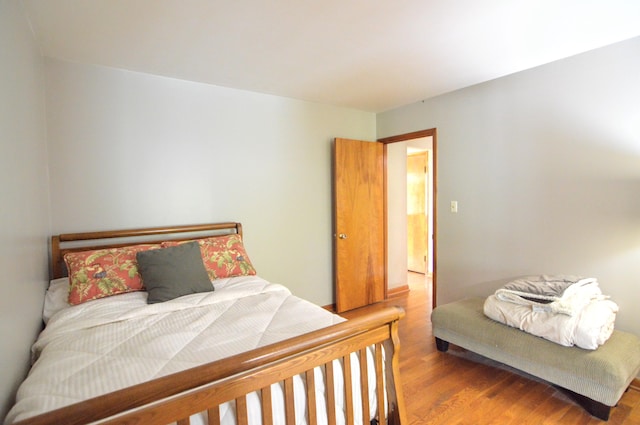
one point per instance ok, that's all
(174, 398)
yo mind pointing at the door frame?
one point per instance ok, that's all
(433, 133)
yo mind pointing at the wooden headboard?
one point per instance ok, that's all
(72, 242)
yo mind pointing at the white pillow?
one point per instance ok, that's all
(56, 298)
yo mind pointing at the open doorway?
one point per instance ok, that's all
(419, 204)
(398, 149)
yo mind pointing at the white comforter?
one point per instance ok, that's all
(104, 345)
(555, 294)
(580, 315)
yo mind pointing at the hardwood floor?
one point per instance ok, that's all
(460, 387)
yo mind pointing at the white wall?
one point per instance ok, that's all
(545, 165)
(130, 150)
(24, 198)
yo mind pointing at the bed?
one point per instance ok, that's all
(246, 351)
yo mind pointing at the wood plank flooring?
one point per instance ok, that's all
(460, 387)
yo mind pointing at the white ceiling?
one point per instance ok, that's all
(371, 55)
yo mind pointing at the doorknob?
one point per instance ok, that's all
(342, 236)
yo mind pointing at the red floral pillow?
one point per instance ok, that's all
(104, 272)
(223, 256)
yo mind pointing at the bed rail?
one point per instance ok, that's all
(174, 398)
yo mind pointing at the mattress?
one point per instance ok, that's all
(93, 348)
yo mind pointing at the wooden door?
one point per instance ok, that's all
(417, 212)
(360, 223)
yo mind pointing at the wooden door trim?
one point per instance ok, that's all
(384, 221)
(409, 136)
(433, 133)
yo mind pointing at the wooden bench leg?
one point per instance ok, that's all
(442, 345)
(595, 408)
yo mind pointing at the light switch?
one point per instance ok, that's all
(454, 206)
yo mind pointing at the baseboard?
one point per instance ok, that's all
(399, 290)
(393, 292)
(330, 307)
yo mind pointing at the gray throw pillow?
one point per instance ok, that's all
(172, 272)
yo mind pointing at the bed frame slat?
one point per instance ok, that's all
(241, 411)
(265, 399)
(311, 397)
(330, 384)
(348, 386)
(364, 381)
(289, 402)
(213, 415)
(149, 231)
(380, 384)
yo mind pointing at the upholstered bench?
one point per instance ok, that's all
(597, 378)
